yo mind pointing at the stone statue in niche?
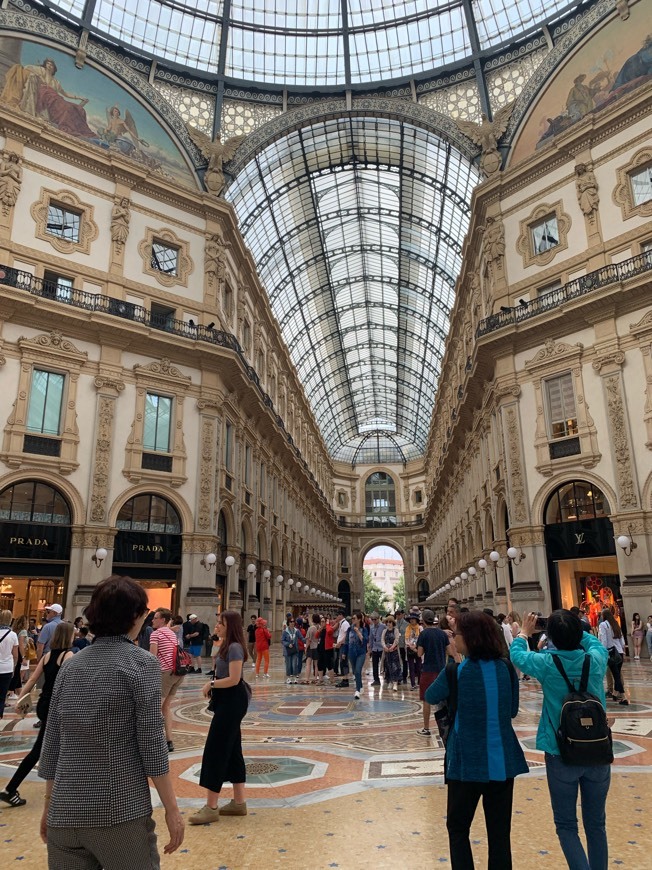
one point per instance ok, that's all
(493, 242)
(587, 189)
(120, 217)
(215, 257)
(11, 179)
(486, 135)
(217, 153)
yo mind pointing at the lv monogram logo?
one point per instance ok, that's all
(579, 537)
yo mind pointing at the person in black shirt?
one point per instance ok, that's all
(434, 646)
(251, 639)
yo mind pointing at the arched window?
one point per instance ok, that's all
(33, 502)
(577, 500)
(380, 500)
(222, 532)
(149, 513)
(423, 590)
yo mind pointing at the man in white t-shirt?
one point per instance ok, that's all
(163, 644)
(8, 656)
(342, 628)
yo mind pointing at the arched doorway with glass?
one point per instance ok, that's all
(35, 539)
(148, 547)
(383, 580)
(380, 500)
(581, 550)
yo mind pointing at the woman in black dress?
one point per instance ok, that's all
(49, 666)
(223, 760)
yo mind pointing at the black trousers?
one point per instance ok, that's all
(29, 762)
(375, 661)
(463, 798)
(403, 653)
(223, 760)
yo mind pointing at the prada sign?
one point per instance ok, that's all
(30, 541)
(146, 548)
(581, 539)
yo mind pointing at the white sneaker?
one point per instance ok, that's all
(253, 664)
(266, 676)
(289, 681)
(357, 696)
(395, 688)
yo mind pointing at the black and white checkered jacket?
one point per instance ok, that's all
(104, 736)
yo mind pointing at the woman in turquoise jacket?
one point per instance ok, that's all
(572, 644)
(483, 754)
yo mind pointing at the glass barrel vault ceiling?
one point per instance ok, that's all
(356, 225)
(313, 42)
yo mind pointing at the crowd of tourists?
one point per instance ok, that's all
(466, 665)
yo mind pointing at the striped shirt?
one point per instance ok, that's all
(167, 644)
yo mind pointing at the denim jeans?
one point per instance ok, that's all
(356, 661)
(292, 665)
(593, 782)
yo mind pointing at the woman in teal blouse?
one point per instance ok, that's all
(572, 645)
(483, 754)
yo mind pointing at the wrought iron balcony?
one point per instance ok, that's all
(611, 274)
(11, 277)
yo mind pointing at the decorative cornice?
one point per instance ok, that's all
(554, 351)
(611, 359)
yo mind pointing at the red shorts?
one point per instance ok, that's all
(426, 679)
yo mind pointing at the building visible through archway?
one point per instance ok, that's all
(386, 570)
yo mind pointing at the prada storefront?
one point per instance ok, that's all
(148, 547)
(35, 537)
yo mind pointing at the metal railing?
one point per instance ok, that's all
(124, 310)
(603, 277)
(345, 524)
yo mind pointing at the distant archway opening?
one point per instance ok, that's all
(384, 580)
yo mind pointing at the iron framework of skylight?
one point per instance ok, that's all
(312, 43)
(356, 225)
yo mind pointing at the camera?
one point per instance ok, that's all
(542, 622)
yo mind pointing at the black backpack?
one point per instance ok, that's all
(583, 736)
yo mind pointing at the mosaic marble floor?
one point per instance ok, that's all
(349, 784)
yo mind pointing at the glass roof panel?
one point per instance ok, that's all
(308, 43)
(359, 256)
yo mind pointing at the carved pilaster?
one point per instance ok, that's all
(108, 390)
(620, 440)
(643, 331)
(514, 456)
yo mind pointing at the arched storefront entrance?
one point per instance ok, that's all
(344, 592)
(581, 551)
(148, 547)
(35, 538)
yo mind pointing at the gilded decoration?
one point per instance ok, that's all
(623, 194)
(11, 179)
(628, 497)
(66, 199)
(184, 267)
(525, 243)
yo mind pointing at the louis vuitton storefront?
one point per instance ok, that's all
(148, 547)
(581, 550)
(35, 539)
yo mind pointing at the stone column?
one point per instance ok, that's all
(84, 574)
(108, 389)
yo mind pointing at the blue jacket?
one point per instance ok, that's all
(482, 746)
(287, 639)
(541, 666)
(356, 647)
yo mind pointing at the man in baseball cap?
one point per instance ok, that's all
(433, 646)
(53, 618)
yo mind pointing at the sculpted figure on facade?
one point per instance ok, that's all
(120, 217)
(11, 179)
(486, 135)
(586, 186)
(217, 153)
(493, 241)
(215, 258)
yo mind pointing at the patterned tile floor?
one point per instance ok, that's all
(339, 783)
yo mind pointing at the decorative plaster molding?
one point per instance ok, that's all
(623, 194)
(88, 229)
(185, 265)
(524, 243)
